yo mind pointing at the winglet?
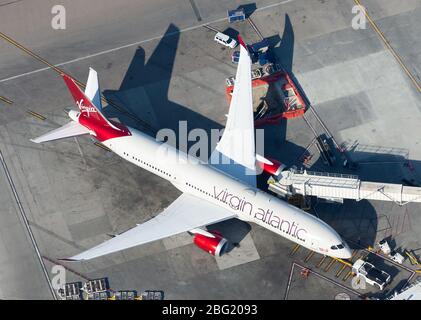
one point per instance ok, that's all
(262, 159)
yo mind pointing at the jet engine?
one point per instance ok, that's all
(271, 166)
(215, 246)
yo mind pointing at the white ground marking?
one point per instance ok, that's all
(134, 44)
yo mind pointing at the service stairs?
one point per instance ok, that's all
(337, 187)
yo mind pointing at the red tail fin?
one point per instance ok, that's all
(91, 117)
(85, 106)
(240, 40)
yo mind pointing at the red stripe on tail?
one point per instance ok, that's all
(91, 118)
(85, 106)
(240, 40)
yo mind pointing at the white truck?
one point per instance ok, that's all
(371, 274)
(225, 40)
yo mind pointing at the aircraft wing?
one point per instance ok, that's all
(186, 213)
(237, 142)
(70, 129)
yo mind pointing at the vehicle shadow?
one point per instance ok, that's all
(248, 8)
(392, 270)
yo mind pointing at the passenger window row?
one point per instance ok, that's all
(198, 189)
(147, 164)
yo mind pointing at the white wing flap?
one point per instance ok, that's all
(71, 129)
(187, 212)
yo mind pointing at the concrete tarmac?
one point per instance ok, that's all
(158, 62)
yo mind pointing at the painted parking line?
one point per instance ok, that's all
(27, 225)
(309, 256)
(137, 43)
(4, 99)
(388, 45)
(294, 250)
(36, 115)
(100, 145)
(330, 264)
(321, 262)
(338, 274)
(144, 124)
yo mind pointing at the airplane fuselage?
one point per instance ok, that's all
(203, 180)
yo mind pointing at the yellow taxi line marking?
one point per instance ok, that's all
(321, 262)
(387, 44)
(4, 99)
(294, 250)
(330, 265)
(309, 256)
(353, 255)
(102, 146)
(36, 115)
(59, 71)
(347, 263)
(347, 276)
(340, 271)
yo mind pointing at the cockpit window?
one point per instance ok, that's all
(339, 246)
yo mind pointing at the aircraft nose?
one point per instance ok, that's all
(347, 253)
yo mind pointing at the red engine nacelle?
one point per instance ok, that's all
(273, 169)
(215, 246)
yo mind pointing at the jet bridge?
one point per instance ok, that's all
(337, 187)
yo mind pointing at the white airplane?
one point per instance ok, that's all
(211, 193)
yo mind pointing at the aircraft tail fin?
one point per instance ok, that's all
(92, 91)
(87, 106)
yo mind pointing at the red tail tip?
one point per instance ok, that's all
(241, 42)
(66, 77)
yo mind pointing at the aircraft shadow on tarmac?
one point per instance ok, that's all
(150, 81)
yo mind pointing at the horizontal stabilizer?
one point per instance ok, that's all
(71, 129)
